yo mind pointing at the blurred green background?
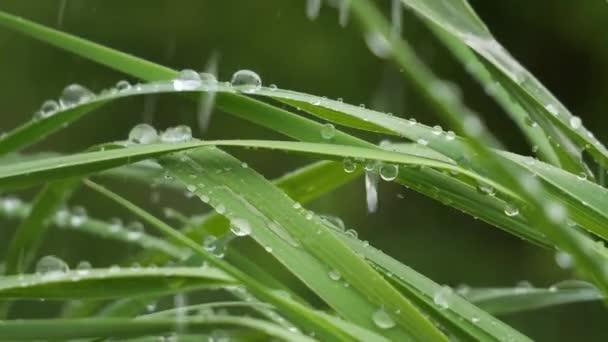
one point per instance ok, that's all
(563, 42)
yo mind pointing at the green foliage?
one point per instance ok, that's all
(261, 240)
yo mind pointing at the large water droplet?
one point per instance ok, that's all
(389, 172)
(143, 134)
(313, 8)
(382, 319)
(328, 131)
(511, 210)
(564, 260)
(187, 80)
(349, 165)
(442, 296)
(240, 227)
(47, 109)
(74, 94)
(575, 122)
(371, 191)
(51, 264)
(246, 81)
(181, 133)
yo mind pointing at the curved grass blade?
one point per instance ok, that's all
(111, 283)
(127, 327)
(299, 313)
(29, 234)
(457, 315)
(503, 301)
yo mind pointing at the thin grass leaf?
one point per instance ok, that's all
(111, 283)
(127, 327)
(503, 301)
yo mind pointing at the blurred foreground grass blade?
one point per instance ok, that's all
(502, 301)
(118, 328)
(459, 20)
(460, 317)
(297, 237)
(110, 283)
(31, 231)
(302, 315)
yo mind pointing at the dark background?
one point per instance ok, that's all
(563, 42)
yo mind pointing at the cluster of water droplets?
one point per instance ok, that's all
(146, 134)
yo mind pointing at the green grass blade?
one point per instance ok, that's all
(30, 233)
(127, 327)
(111, 283)
(243, 194)
(502, 301)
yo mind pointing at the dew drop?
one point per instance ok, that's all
(575, 122)
(389, 172)
(442, 297)
(382, 319)
(313, 8)
(181, 133)
(349, 165)
(123, 86)
(551, 109)
(51, 264)
(73, 95)
(334, 275)
(187, 80)
(485, 189)
(240, 227)
(84, 266)
(564, 260)
(246, 81)
(78, 217)
(10, 203)
(437, 130)
(47, 109)
(209, 243)
(143, 134)
(450, 135)
(207, 78)
(422, 142)
(328, 131)
(511, 210)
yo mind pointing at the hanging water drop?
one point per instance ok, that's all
(51, 264)
(328, 131)
(349, 165)
(382, 319)
(187, 80)
(78, 217)
(343, 12)
(313, 8)
(240, 227)
(181, 133)
(389, 172)
(74, 94)
(246, 81)
(143, 134)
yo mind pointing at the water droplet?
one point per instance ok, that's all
(297, 205)
(246, 81)
(208, 78)
(84, 266)
(187, 80)
(412, 121)
(582, 176)
(273, 87)
(328, 131)
(51, 264)
(10, 203)
(450, 135)
(191, 187)
(382, 319)
(220, 209)
(47, 109)
(123, 86)
(78, 217)
(268, 249)
(442, 297)
(349, 165)
(74, 94)
(564, 260)
(437, 130)
(143, 134)
(181, 133)
(422, 142)
(389, 172)
(485, 189)
(378, 44)
(575, 122)
(334, 275)
(555, 211)
(240, 227)
(209, 243)
(511, 210)
(475, 320)
(552, 109)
